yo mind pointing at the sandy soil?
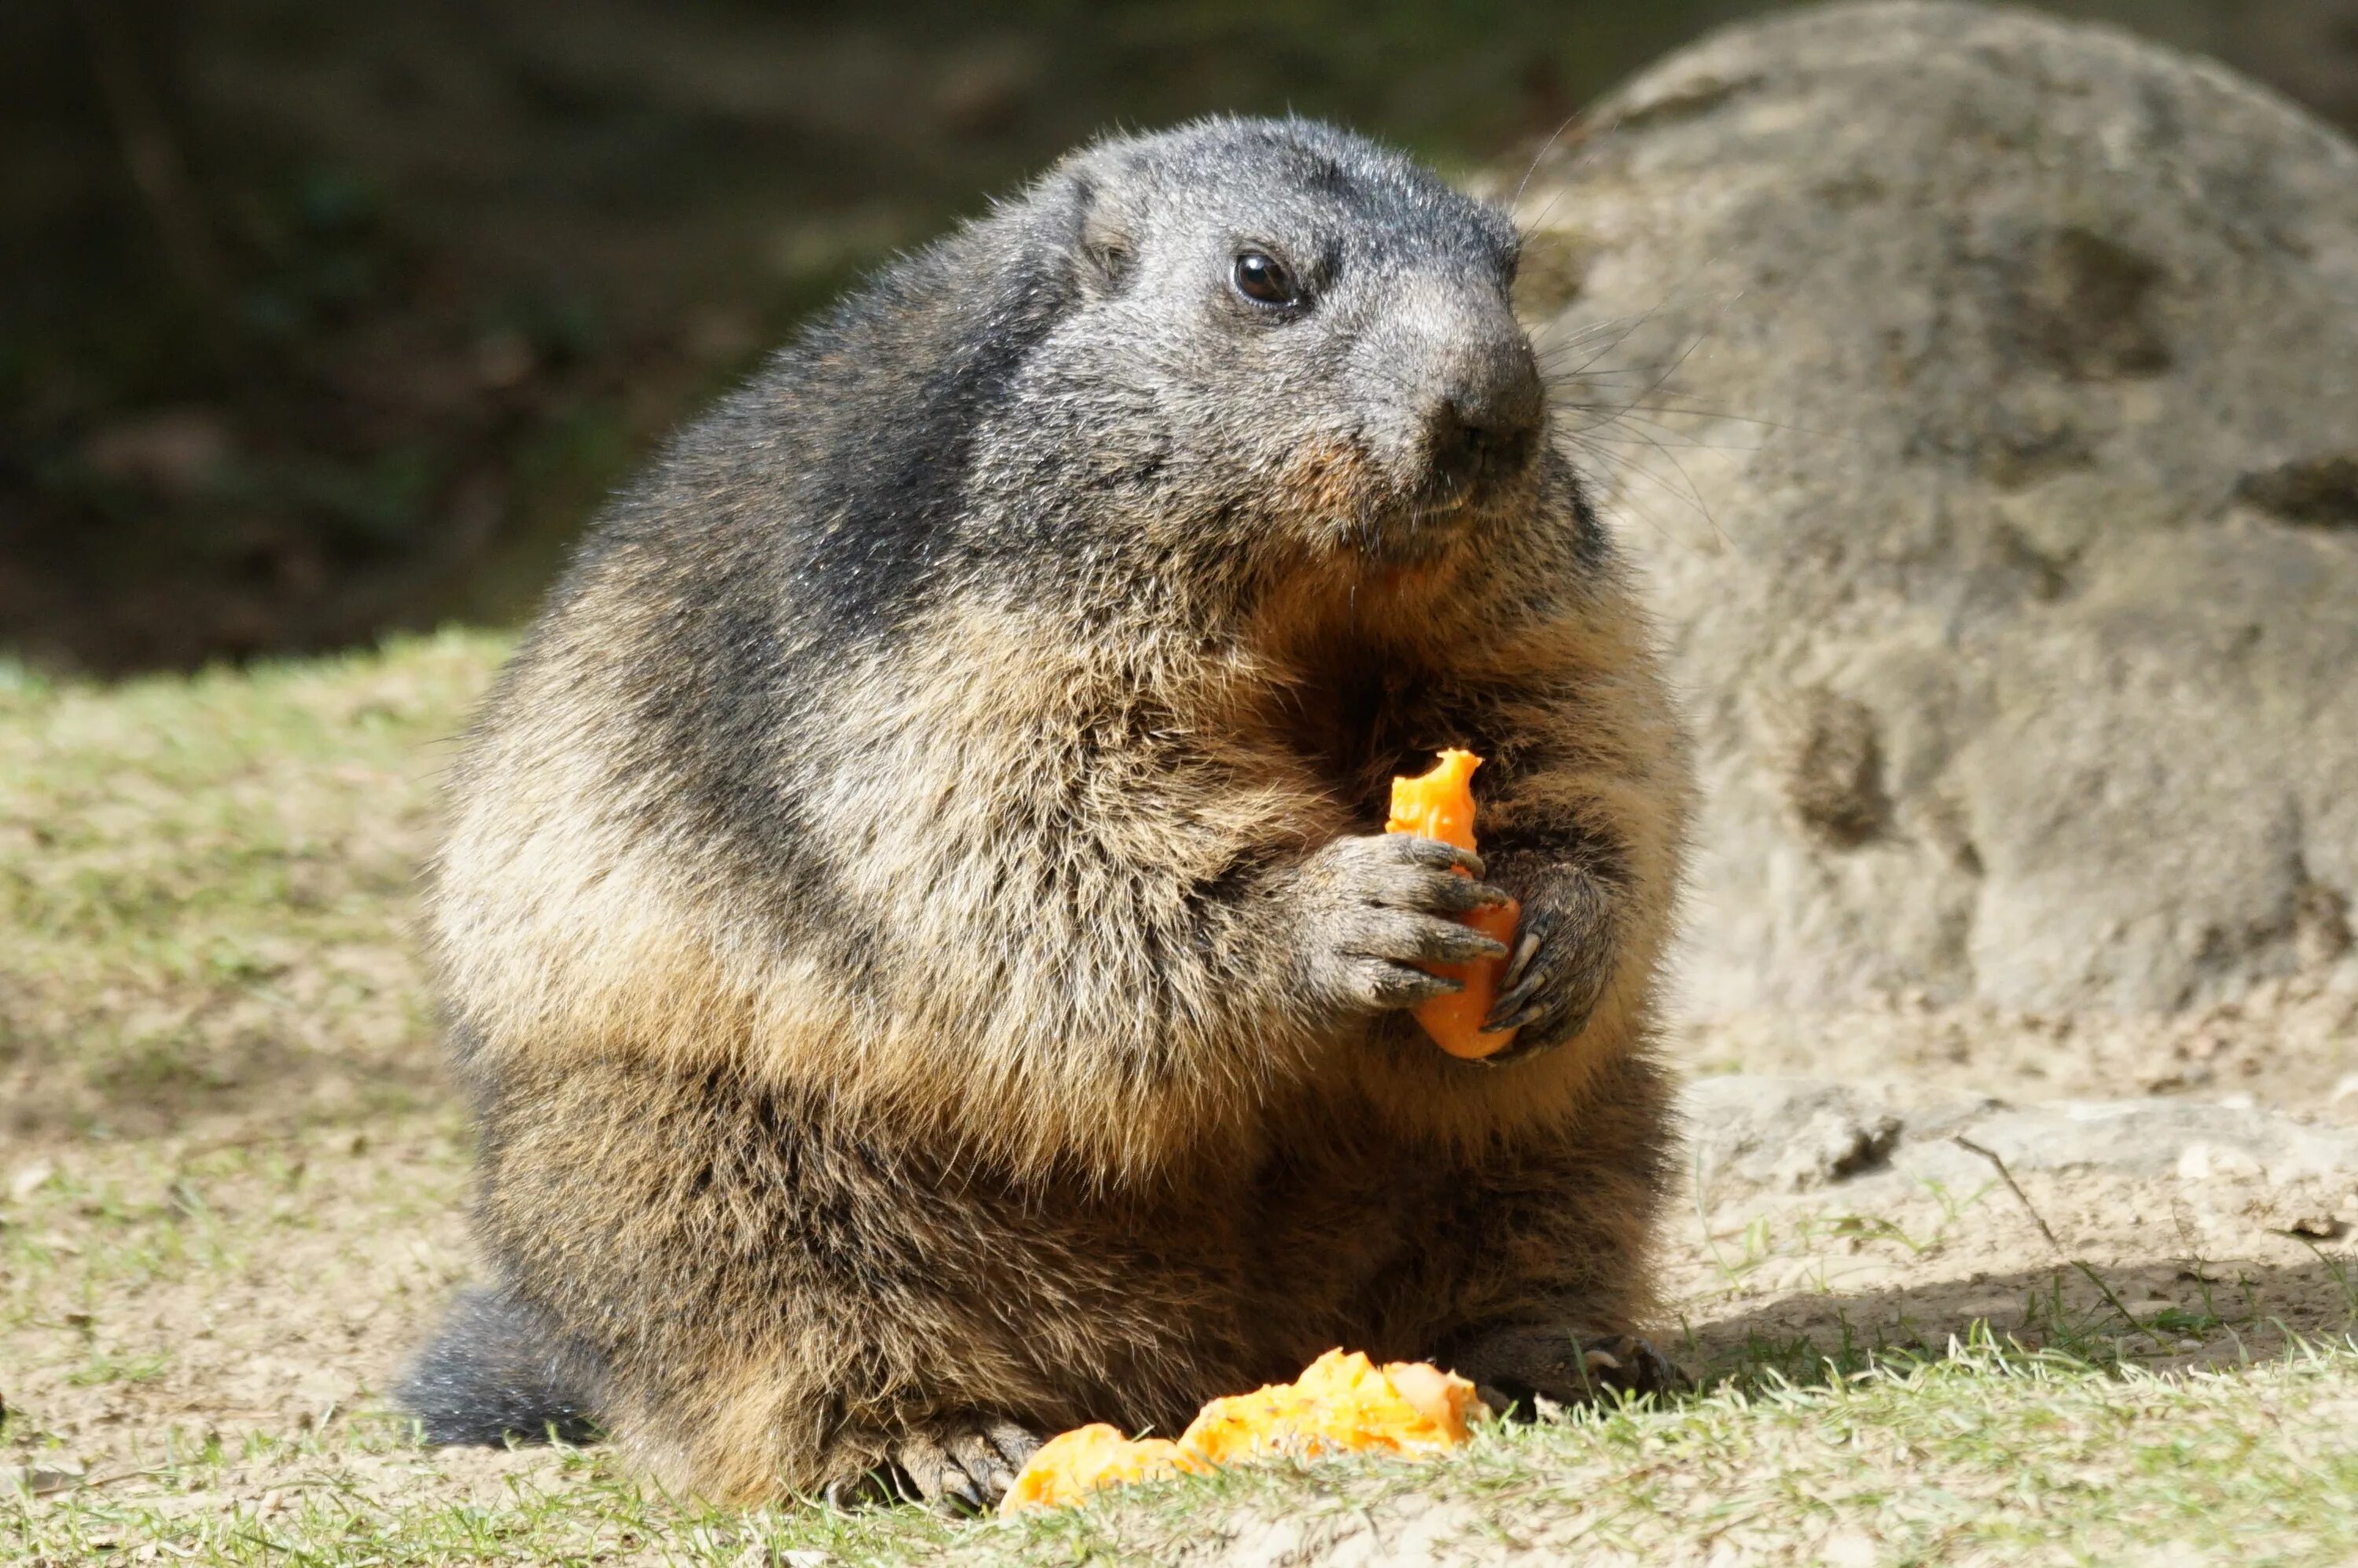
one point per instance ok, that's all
(1886, 1261)
(2292, 1043)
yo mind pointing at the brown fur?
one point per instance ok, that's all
(1080, 1243)
(1067, 1141)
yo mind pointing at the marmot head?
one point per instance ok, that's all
(1269, 339)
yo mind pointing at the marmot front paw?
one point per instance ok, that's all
(1562, 959)
(1380, 905)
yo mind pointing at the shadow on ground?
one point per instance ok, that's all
(2163, 1313)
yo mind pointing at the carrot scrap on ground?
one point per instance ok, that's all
(1073, 1464)
(1440, 804)
(1342, 1404)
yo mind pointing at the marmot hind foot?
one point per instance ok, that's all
(957, 1467)
(1515, 1369)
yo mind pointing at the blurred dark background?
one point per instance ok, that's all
(319, 320)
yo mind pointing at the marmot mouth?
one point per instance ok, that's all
(1395, 519)
(1442, 498)
(1412, 530)
(1450, 501)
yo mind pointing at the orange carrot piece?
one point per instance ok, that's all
(1440, 804)
(1341, 1404)
(1072, 1465)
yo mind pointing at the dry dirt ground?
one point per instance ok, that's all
(232, 1185)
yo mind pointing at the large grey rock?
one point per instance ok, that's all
(2002, 505)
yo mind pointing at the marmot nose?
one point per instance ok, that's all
(1485, 423)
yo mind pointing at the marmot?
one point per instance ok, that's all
(914, 921)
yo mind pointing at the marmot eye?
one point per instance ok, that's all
(1264, 280)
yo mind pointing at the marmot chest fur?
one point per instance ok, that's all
(914, 920)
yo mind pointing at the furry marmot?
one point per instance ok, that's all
(914, 921)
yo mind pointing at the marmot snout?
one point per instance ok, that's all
(914, 917)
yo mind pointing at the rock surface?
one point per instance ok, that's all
(1753, 1133)
(1981, 394)
(1798, 1133)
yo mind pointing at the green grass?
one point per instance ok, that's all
(230, 1188)
(204, 885)
(1986, 1455)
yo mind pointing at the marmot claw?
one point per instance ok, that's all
(961, 1468)
(1553, 981)
(1517, 1368)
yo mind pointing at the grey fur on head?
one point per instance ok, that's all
(1402, 341)
(1074, 381)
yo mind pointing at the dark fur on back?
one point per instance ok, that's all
(914, 917)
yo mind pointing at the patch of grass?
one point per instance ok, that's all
(367, 1495)
(109, 1368)
(205, 884)
(1991, 1453)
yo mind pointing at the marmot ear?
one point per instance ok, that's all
(1104, 241)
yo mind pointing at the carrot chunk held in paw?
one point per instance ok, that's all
(1440, 804)
(1343, 1404)
(1072, 1465)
